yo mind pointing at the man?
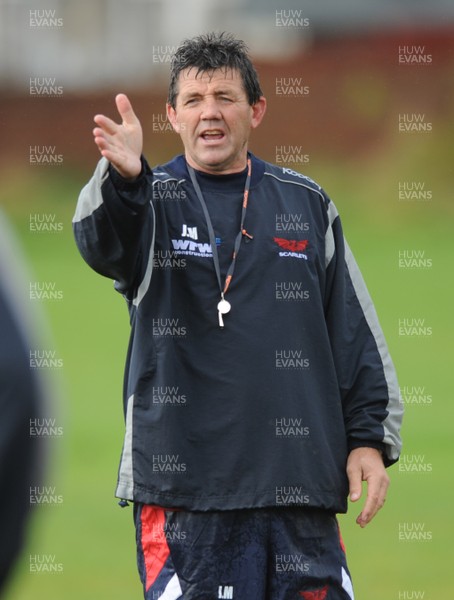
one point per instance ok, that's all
(259, 392)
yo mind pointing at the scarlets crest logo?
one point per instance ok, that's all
(292, 248)
(316, 594)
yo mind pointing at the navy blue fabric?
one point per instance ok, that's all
(257, 554)
(226, 418)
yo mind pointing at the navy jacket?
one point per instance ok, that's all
(264, 411)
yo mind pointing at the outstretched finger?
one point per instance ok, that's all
(103, 139)
(125, 109)
(102, 142)
(106, 124)
(376, 496)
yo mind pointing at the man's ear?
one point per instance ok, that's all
(258, 112)
(172, 116)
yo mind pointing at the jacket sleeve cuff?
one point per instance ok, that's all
(126, 185)
(133, 193)
(353, 444)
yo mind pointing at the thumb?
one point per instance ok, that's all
(355, 481)
(125, 109)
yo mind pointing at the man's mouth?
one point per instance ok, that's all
(212, 135)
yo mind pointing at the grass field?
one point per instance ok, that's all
(93, 539)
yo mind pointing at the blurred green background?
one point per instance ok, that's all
(349, 128)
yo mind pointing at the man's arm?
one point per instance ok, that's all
(367, 379)
(113, 223)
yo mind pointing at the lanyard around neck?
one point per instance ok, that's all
(224, 306)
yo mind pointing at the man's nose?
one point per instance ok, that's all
(210, 109)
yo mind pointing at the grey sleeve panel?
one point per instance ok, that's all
(125, 486)
(330, 246)
(393, 421)
(90, 197)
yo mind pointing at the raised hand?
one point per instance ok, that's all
(121, 143)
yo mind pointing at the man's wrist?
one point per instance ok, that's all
(353, 445)
(125, 183)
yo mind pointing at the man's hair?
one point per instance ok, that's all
(214, 51)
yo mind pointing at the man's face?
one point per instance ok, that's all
(214, 119)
